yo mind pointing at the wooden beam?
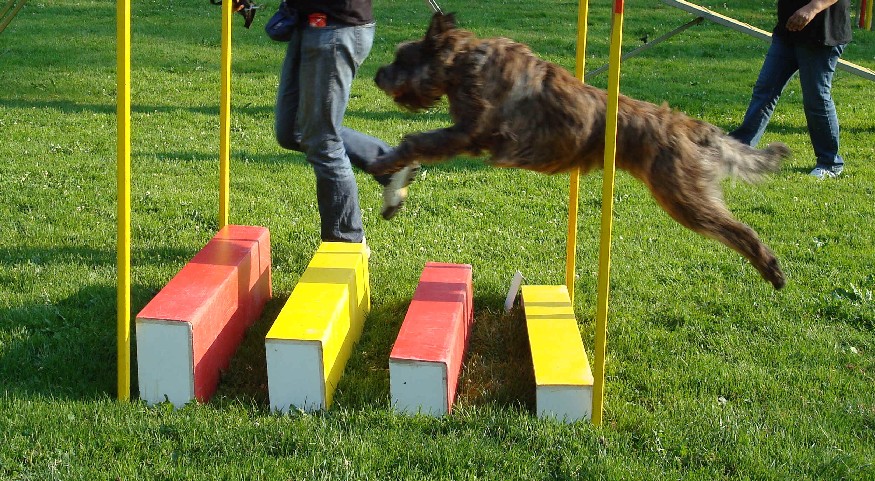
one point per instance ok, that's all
(311, 339)
(646, 46)
(5, 19)
(756, 32)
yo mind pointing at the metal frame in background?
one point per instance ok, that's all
(9, 11)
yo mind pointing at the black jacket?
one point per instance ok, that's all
(350, 12)
(830, 27)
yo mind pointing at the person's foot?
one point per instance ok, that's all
(827, 172)
(395, 192)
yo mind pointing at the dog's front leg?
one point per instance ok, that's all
(424, 147)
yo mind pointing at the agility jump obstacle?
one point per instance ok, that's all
(554, 402)
(563, 378)
(188, 332)
(123, 183)
(312, 338)
(603, 291)
(554, 295)
(426, 360)
(123, 173)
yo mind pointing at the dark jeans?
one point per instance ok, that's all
(816, 66)
(314, 90)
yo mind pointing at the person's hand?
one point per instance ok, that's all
(801, 18)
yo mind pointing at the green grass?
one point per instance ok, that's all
(711, 373)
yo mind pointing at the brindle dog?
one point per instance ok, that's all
(532, 114)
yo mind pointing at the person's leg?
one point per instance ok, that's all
(779, 65)
(286, 129)
(816, 68)
(363, 150)
(330, 57)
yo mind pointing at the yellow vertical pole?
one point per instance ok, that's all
(601, 327)
(225, 116)
(582, 26)
(574, 175)
(869, 14)
(123, 202)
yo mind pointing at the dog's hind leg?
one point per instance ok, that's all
(699, 207)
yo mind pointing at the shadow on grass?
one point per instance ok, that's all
(67, 348)
(245, 379)
(497, 368)
(64, 349)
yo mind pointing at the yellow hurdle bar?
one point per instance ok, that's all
(582, 29)
(604, 277)
(225, 117)
(312, 338)
(571, 236)
(123, 186)
(563, 378)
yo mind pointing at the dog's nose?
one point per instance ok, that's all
(379, 77)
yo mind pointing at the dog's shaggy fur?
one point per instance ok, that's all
(532, 114)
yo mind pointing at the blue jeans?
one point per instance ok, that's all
(313, 94)
(816, 66)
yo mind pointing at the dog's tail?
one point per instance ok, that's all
(748, 163)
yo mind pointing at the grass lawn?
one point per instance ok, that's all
(711, 373)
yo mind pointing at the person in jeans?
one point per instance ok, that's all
(321, 61)
(809, 38)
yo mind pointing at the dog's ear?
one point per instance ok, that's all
(440, 23)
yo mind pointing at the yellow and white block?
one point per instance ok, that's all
(563, 377)
(312, 338)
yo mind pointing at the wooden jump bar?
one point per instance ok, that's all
(188, 332)
(313, 336)
(4, 18)
(756, 32)
(426, 360)
(563, 377)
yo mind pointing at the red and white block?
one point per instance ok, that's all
(187, 334)
(426, 360)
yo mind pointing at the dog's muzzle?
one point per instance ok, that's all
(380, 78)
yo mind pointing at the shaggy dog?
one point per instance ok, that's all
(532, 114)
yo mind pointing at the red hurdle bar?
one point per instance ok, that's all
(426, 359)
(187, 334)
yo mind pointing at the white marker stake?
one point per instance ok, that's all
(515, 284)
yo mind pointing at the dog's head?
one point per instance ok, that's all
(416, 78)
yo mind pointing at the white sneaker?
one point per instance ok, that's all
(826, 173)
(366, 247)
(395, 192)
